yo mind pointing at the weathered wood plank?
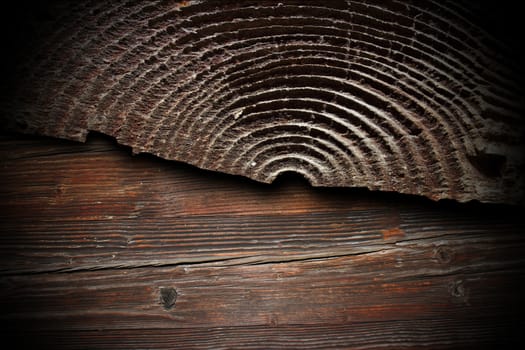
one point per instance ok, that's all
(94, 241)
(94, 206)
(382, 286)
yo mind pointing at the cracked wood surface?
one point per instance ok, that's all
(418, 97)
(101, 249)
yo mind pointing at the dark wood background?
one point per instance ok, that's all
(102, 249)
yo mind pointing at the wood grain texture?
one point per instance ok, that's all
(414, 97)
(101, 249)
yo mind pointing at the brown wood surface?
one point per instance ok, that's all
(102, 249)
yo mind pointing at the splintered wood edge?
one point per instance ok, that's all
(409, 97)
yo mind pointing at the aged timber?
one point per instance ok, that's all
(104, 250)
(418, 97)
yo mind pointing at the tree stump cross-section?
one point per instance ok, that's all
(414, 97)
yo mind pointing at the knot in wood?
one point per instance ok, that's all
(168, 297)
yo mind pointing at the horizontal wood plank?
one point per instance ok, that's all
(327, 291)
(102, 249)
(94, 206)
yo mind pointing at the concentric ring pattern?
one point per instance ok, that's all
(414, 97)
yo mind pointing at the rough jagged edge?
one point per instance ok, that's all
(397, 96)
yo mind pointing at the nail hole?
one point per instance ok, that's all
(457, 289)
(443, 255)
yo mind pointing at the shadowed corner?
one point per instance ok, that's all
(22, 26)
